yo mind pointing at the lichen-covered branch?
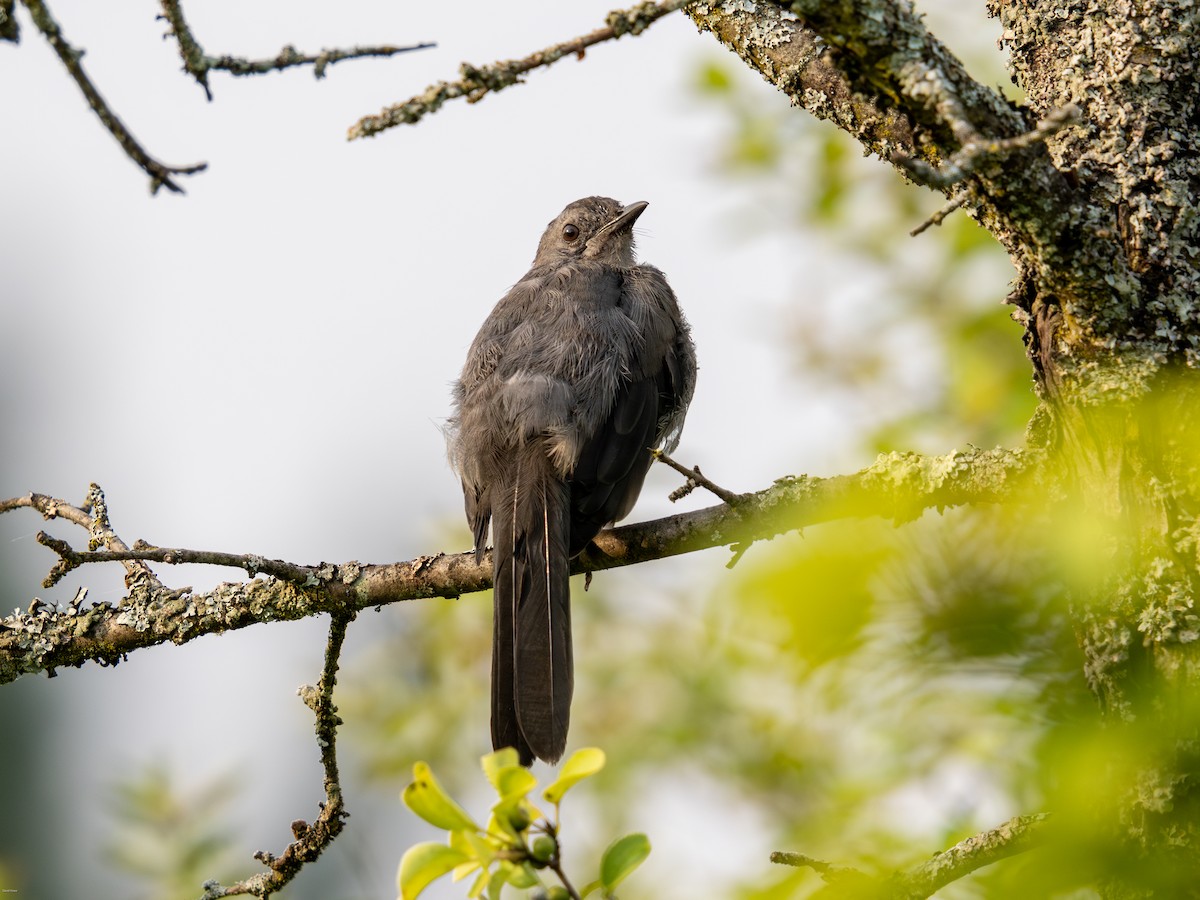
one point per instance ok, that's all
(976, 149)
(309, 840)
(874, 70)
(899, 486)
(9, 30)
(199, 64)
(479, 81)
(1017, 835)
(160, 173)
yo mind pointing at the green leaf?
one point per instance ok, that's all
(522, 876)
(425, 863)
(582, 764)
(622, 857)
(480, 885)
(470, 843)
(493, 763)
(497, 881)
(514, 781)
(426, 797)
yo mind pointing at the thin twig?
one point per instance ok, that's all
(160, 173)
(556, 867)
(695, 478)
(479, 81)
(310, 840)
(940, 216)
(252, 563)
(830, 873)
(199, 63)
(91, 515)
(1015, 836)
(977, 149)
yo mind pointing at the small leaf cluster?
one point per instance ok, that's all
(519, 844)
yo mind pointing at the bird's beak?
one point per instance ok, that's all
(625, 220)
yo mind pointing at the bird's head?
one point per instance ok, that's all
(594, 228)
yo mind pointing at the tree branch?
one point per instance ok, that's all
(199, 64)
(310, 840)
(1015, 836)
(899, 486)
(160, 173)
(9, 30)
(479, 81)
(976, 149)
(874, 70)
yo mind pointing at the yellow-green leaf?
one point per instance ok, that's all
(495, 762)
(582, 764)
(514, 781)
(622, 857)
(470, 843)
(426, 797)
(480, 885)
(422, 864)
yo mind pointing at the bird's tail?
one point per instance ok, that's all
(532, 678)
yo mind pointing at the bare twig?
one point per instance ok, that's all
(842, 876)
(1015, 836)
(310, 840)
(479, 81)
(199, 63)
(160, 173)
(695, 479)
(940, 216)
(253, 564)
(91, 515)
(898, 486)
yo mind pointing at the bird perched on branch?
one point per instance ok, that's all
(580, 370)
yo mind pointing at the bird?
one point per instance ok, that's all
(581, 370)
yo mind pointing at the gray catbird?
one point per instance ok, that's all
(580, 370)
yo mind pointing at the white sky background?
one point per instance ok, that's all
(262, 365)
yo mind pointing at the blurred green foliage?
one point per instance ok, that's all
(171, 842)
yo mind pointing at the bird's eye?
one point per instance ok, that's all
(570, 232)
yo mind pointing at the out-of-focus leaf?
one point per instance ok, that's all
(423, 864)
(583, 764)
(521, 875)
(426, 797)
(713, 78)
(479, 885)
(622, 857)
(514, 781)
(498, 761)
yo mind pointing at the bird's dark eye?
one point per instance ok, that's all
(570, 232)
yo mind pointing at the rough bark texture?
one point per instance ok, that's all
(1101, 222)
